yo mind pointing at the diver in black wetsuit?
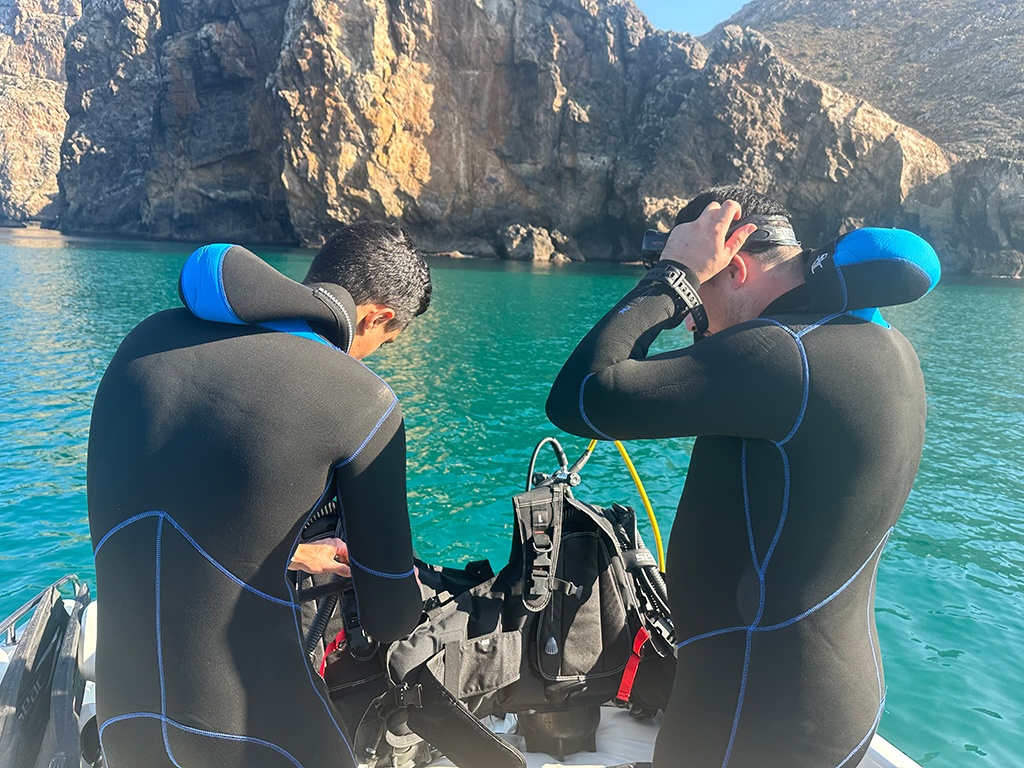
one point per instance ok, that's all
(809, 412)
(210, 444)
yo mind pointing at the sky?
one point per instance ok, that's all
(693, 16)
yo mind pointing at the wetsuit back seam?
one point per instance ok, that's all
(211, 734)
(225, 571)
(124, 524)
(159, 646)
(209, 558)
(798, 617)
(373, 431)
(380, 574)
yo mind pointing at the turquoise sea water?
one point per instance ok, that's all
(472, 375)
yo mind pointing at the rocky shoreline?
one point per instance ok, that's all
(542, 130)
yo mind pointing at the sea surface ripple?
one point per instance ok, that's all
(472, 375)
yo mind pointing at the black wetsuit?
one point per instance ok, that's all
(209, 445)
(809, 432)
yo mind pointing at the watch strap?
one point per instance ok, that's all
(684, 284)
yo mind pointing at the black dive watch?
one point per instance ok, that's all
(684, 284)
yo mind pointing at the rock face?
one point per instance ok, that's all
(751, 118)
(975, 217)
(457, 117)
(32, 115)
(172, 132)
(535, 129)
(952, 69)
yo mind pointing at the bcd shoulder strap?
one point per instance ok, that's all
(539, 525)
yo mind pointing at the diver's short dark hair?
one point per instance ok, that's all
(377, 263)
(751, 201)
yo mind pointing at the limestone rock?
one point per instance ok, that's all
(751, 118)
(572, 120)
(952, 69)
(32, 115)
(566, 246)
(525, 243)
(456, 116)
(975, 217)
(172, 132)
(113, 88)
(32, 37)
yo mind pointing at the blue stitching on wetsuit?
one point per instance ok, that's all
(870, 733)
(373, 431)
(225, 571)
(805, 367)
(381, 574)
(746, 504)
(785, 509)
(124, 524)
(831, 597)
(233, 737)
(871, 640)
(760, 569)
(583, 413)
(162, 717)
(842, 282)
(743, 691)
(713, 633)
(197, 731)
(200, 550)
(754, 628)
(300, 646)
(878, 675)
(159, 646)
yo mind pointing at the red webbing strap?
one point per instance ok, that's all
(629, 675)
(332, 646)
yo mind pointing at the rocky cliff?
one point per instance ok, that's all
(172, 131)
(952, 69)
(32, 115)
(545, 129)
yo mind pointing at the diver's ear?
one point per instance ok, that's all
(737, 270)
(374, 316)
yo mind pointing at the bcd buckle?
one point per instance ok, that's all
(409, 695)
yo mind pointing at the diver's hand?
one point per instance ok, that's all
(701, 244)
(323, 556)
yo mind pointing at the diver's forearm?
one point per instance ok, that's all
(626, 332)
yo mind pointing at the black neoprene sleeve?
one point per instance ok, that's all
(742, 382)
(379, 536)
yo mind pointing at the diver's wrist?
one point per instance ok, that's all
(683, 282)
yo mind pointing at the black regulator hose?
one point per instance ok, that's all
(563, 460)
(320, 620)
(328, 604)
(657, 582)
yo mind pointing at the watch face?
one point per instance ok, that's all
(653, 244)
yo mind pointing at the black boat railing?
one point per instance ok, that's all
(8, 627)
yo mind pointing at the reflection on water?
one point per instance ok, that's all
(473, 374)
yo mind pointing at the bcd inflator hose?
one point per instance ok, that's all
(647, 503)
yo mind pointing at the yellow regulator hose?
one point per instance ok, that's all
(643, 496)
